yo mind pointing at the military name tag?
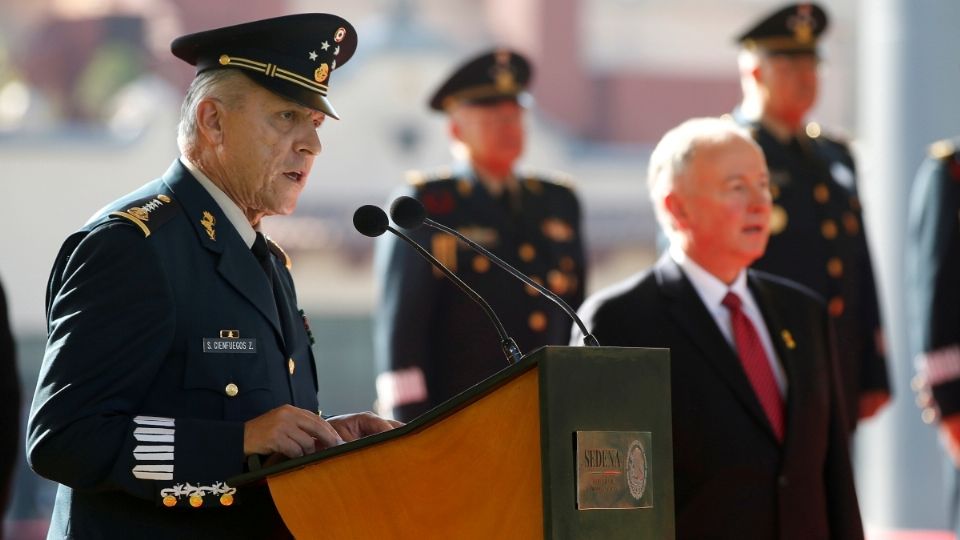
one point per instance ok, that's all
(614, 470)
(230, 345)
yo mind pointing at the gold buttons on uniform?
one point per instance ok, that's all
(224, 59)
(778, 219)
(558, 282)
(530, 290)
(537, 321)
(835, 307)
(828, 229)
(527, 252)
(291, 365)
(231, 390)
(835, 267)
(851, 223)
(821, 193)
(481, 264)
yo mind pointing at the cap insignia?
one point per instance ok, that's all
(503, 76)
(802, 24)
(341, 33)
(321, 73)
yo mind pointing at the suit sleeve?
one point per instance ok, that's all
(843, 509)
(10, 408)
(402, 323)
(933, 285)
(112, 325)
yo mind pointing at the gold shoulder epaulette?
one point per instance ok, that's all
(149, 213)
(279, 252)
(942, 149)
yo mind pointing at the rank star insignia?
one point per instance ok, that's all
(313, 55)
(336, 50)
(325, 45)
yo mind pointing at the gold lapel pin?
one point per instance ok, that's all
(788, 339)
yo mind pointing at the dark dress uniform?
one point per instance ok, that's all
(167, 333)
(10, 409)
(933, 286)
(817, 234)
(732, 478)
(817, 239)
(432, 340)
(165, 336)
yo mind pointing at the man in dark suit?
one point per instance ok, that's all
(10, 408)
(175, 349)
(817, 234)
(933, 289)
(431, 340)
(760, 447)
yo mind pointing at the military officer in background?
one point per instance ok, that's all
(431, 340)
(817, 234)
(175, 346)
(9, 409)
(933, 290)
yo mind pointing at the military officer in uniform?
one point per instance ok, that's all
(431, 340)
(817, 234)
(176, 349)
(10, 409)
(933, 290)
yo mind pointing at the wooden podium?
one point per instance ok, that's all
(502, 459)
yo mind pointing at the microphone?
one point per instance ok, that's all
(372, 221)
(409, 213)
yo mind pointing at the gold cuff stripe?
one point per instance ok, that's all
(272, 70)
(137, 222)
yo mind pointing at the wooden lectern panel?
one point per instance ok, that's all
(473, 474)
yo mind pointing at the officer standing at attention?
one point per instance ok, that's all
(10, 409)
(175, 346)
(933, 289)
(817, 235)
(431, 340)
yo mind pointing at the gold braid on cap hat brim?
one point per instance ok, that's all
(272, 70)
(479, 92)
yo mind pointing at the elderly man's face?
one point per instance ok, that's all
(722, 206)
(493, 133)
(267, 149)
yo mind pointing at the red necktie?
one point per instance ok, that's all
(755, 364)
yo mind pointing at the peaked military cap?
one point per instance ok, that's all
(793, 29)
(293, 56)
(494, 76)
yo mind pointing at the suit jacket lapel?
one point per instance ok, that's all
(236, 263)
(780, 336)
(687, 310)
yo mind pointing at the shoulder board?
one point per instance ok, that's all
(279, 252)
(942, 149)
(148, 213)
(533, 181)
(419, 178)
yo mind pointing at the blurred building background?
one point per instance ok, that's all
(89, 101)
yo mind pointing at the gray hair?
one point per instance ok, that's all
(675, 152)
(217, 83)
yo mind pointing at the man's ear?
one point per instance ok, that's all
(676, 209)
(453, 129)
(210, 114)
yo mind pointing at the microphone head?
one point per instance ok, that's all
(370, 220)
(407, 212)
